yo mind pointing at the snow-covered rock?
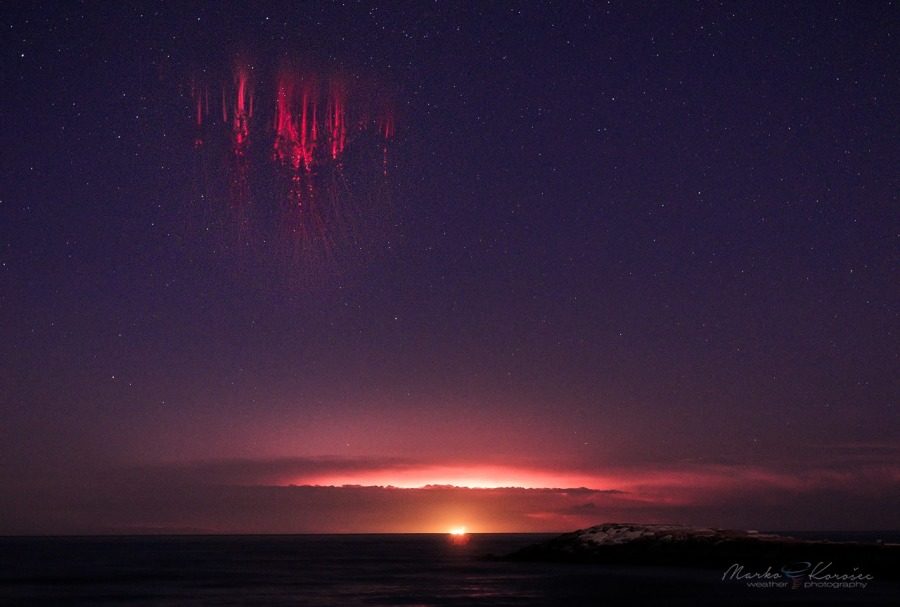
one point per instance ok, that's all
(609, 534)
(683, 546)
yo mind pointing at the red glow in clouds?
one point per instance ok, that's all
(472, 477)
(327, 131)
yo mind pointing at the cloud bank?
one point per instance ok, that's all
(345, 495)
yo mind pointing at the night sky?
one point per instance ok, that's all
(629, 262)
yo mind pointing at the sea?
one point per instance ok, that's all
(362, 570)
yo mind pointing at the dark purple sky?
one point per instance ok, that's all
(647, 250)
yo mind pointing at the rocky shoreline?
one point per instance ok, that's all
(682, 546)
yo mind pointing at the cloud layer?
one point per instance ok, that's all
(317, 495)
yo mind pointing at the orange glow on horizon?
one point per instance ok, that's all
(459, 536)
(471, 477)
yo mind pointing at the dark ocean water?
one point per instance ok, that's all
(350, 570)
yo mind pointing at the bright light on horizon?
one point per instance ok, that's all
(472, 477)
(458, 531)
